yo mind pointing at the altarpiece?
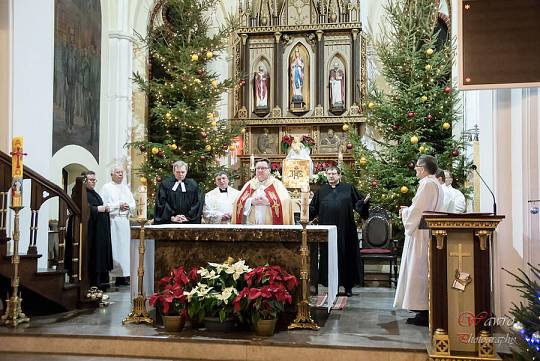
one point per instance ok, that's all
(300, 70)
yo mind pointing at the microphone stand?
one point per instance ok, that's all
(475, 168)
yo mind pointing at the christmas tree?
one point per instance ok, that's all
(415, 112)
(527, 316)
(183, 95)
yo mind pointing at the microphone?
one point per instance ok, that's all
(475, 168)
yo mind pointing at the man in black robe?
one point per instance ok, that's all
(98, 236)
(334, 204)
(178, 199)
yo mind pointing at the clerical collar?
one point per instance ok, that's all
(335, 185)
(222, 190)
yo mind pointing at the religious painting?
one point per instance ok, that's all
(337, 86)
(265, 140)
(77, 67)
(295, 173)
(330, 140)
(299, 79)
(261, 90)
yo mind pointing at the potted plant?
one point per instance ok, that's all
(171, 300)
(211, 299)
(268, 289)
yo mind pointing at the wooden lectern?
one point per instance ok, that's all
(460, 286)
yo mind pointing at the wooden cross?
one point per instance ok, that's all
(460, 256)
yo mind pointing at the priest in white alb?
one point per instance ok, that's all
(263, 200)
(412, 286)
(121, 204)
(218, 203)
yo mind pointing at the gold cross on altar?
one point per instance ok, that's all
(460, 256)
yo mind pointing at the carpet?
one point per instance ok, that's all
(340, 303)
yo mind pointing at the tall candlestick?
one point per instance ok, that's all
(304, 204)
(17, 171)
(252, 162)
(143, 201)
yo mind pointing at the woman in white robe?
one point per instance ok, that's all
(412, 286)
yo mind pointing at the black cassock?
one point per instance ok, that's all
(172, 203)
(99, 241)
(336, 206)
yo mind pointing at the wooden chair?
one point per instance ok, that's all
(378, 246)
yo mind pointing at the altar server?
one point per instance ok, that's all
(218, 204)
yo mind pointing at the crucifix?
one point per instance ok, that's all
(17, 155)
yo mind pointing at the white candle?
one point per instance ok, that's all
(340, 157)
(143, 200)
(304, 204)
(252, 162)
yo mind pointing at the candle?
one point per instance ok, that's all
(252, 162)
(340, 157)
(143, 196)
(16, 171)
(304, 204)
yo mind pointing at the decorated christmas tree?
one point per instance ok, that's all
(527, 316)
(183, 94)
(414, 113)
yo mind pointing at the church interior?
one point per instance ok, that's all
(273, 96)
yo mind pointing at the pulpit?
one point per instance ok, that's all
(460, 305)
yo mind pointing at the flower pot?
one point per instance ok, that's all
(214, 324)
(265, 327)
(173, 323)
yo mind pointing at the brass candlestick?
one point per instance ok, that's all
(14, 315)
(139, 313)
(303, 318)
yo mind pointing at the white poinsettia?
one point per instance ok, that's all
(208, 274)
(226, 294)
(218, 266)
(237, 269)
(200, 291)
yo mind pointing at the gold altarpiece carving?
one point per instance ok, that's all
(299, 69)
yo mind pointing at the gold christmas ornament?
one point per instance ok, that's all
(168, 115)
(143, 180)
(194, 57)
(429, 51)
(208, 148)
(213, 123)
(209, 54)
(404, 189)
(173, 146)
(215, 83)
(414, 139)
(210, 115)
(422, 149)
(155, 150)
(345, 127)
(424, 98)
(446, 125)
(428, 67)
(362, 161)
(371, 105)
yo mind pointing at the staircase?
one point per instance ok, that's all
(47, 288)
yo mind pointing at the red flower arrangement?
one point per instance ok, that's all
(307, 141)
(321, 166)
(275, 166)
(170, 296)
(268, 289)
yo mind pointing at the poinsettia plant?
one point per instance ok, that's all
(217, 286)
(268, 289)
(170, 297)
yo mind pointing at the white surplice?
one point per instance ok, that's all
(217, 203)
(112, 194)
(454, 200)
(412, 286)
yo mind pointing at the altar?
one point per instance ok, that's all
(171, 245)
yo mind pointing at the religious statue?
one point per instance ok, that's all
(330, 143)
(265, 143)
(261, 81)
(297, 79)
(337, 90)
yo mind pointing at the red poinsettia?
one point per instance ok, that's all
(307, 141)
(170, 296)
(268, 289)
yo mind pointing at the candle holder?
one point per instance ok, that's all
(139, 314)
(14, 315)
(303, 318)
